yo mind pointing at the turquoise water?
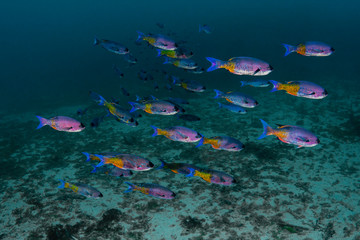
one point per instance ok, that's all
(49, 64)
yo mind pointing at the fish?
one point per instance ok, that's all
(241, 66)
(190, 85)
(62, 123)
(82, 189)
(124, 92)
(130, 58)
(178, 168)
(223, 143)
(111, 46)
(156, 86)
(178, 100)
(291, 135)
(233, 108)
(168, 87)
(82, 111)
(151, 189)
(123, 161)
(189, 117)
(118, 72)
(255, 83)
(213, 176)
(178, 133)
(204, 28)
(159, 107)
(301, 89)
(237, 98)
(158, 41)
(178, 53)
(112, 171)
(96, 121)
(197, 70)
(316, 49)
(160, 25)
(114, 109)
(181, 63)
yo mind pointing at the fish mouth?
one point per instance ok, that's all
(271, 68)
(100, 195)
(332, 49)
(151, 164)
(82, 125)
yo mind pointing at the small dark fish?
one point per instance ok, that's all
(197, 70)
(118, 71)
(143, 75)
(168, 87)
(160, 25)
(156, 86)
(130, 58)
(111, 46)
(125, 92)
(96, 121)
(112, 171)
(81, 111)
(178, 100)
(204, 28)
(189, 117)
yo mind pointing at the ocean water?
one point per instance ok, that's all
(49, 65)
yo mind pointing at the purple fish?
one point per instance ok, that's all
(158, 40)
(62, 123)
(160, 107)
(178, 133)
(291, 135)
(301, 89)
(237, 98)
(316, 49)
(241, 66)
(213, 176)
(151, 189)
(82, 189)
(223, 143)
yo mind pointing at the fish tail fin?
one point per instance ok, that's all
(192, 172)
(267, 129)
(220, 105)
(218, 93)
(276, 85)
(131, 187)
(140, 36)
(134, 106)
(87, 156)
(176, 80)
(96, 41)
(242, 83)
(155, 131)
(159, 51)
(43, 122)
(289, 49)
(163, 164)
(201, 142)
(167, 60)
(62, 184)
(94, 170)
(215, 64)
(102, 160)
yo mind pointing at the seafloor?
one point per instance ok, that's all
(282, 192)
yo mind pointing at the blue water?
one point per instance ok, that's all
(48, 63)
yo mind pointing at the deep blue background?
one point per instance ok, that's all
(47, 58)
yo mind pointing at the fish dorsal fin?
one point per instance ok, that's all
(280, 125)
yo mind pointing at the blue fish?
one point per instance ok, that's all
(256, 83)
(233, 108)
(204, 28)
(111, 46)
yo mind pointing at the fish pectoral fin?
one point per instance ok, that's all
(256, 71)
